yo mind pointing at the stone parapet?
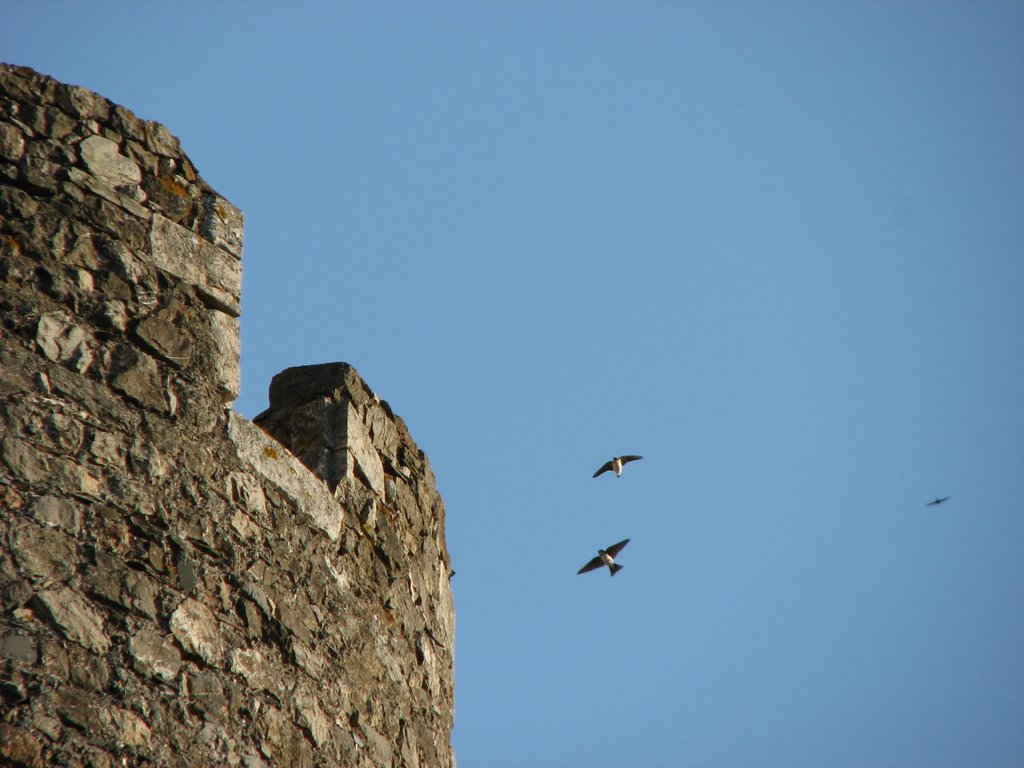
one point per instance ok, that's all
(179, 586)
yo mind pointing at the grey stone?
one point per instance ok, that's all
(197, 631)
(307, 636)
(24, 460)
(38, 172)
(57, 511)
(207, 693)
(137, 376)
(76, 618)
(182, 253)
(259, 672)
(155, 655)
(82, 103)
(222, 224)
(247, 491)
(225, 370)
(380, 745)
(108, 579)
(312, 718)
(64, 342)
(19, 648)
(44, 553)
(103, 158)
(271, 460)
(166, 339)
(12, 143)
(128, 197)
(107, 448)
(187, 579)
(88, 671)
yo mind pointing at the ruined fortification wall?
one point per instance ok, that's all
(176, 586)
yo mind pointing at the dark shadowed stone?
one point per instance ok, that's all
(294, 386)
(206, 693)
(186, 571)
(14, 592)
(79, 708)
(38, 172)
(88, 671)
(108, 579)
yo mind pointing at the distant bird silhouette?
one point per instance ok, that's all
(605, 557)
(616, 464)
(936, 501)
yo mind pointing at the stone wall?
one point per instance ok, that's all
(177, 587)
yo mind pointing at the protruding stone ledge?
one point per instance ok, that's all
(275, 464)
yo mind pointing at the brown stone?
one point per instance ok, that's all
(178, 587)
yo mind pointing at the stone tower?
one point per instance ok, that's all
(179, 586)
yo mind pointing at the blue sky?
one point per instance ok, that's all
(775, 248)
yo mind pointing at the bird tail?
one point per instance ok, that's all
(615, 568)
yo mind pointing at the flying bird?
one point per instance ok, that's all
(605, 557)
(616, 464)
(936, 501)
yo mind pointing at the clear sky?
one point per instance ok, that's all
(777, 248)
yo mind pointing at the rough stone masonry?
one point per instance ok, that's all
(178, 586)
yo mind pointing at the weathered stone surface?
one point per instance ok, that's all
(137, 376)
(24, 460)
(58, 512)
(12, 143)
(75, 617)
(273, 461)
(258, 671)
(131, 728)
(103, 158)
(64, 342)
(197, 632)
(222, 224)
(42, 552)
(163, 334)
(180, 252)
(224, 368)
(19, 648)
(207, 694)
(19, 747)
(155, 655)
(176, 587)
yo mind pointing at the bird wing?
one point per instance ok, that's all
(614, 549)
(625, 459)
(595, 563)
(604, 468)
